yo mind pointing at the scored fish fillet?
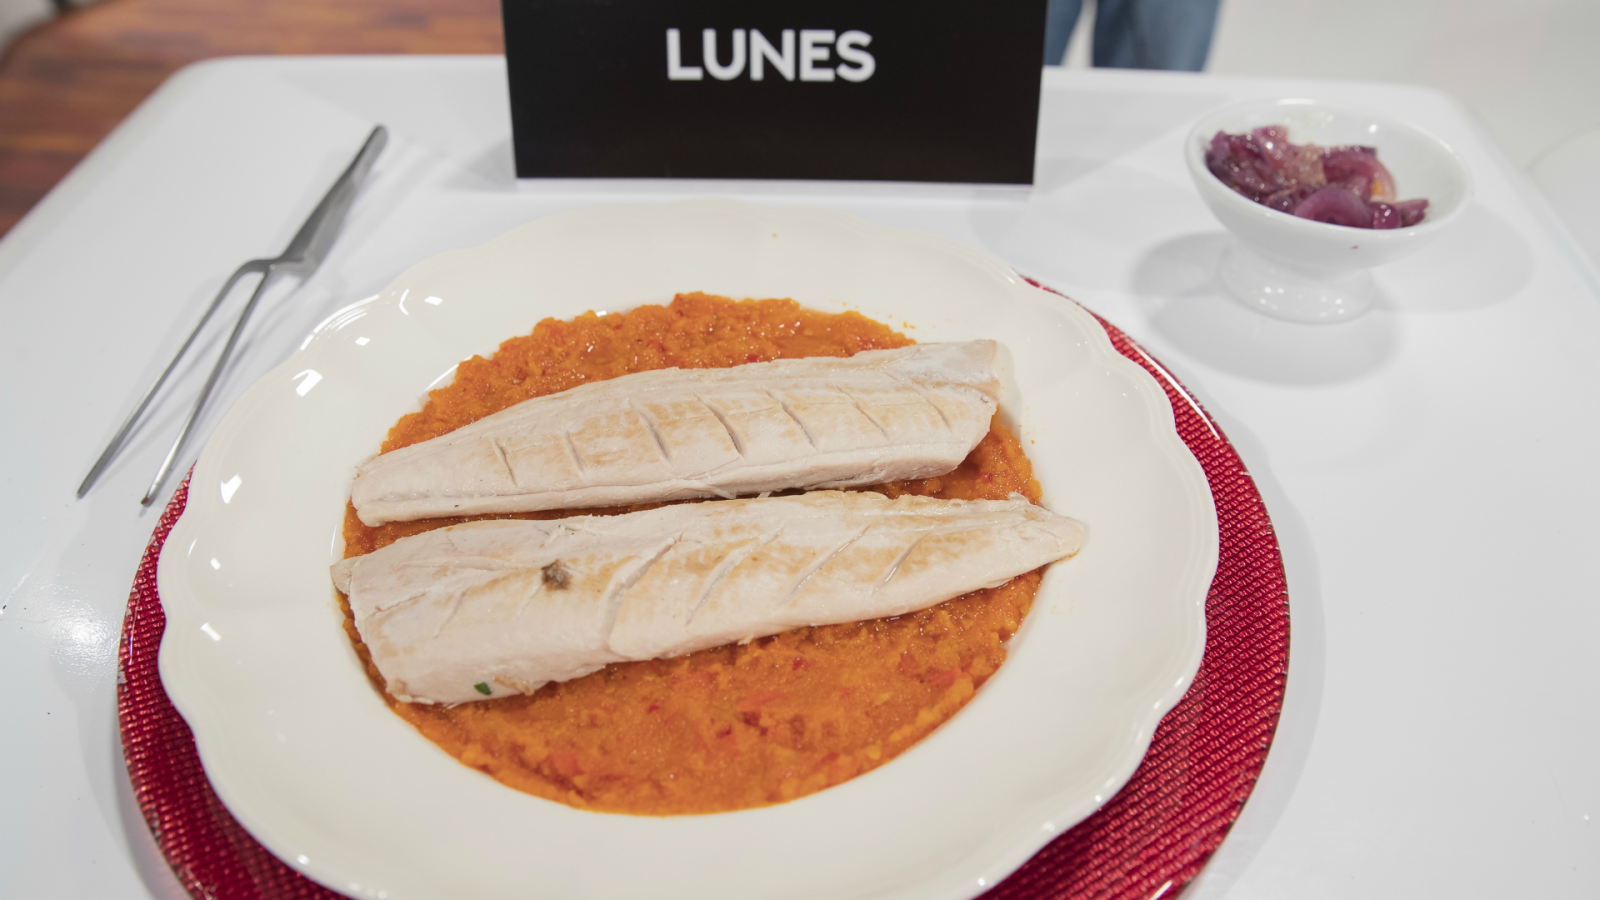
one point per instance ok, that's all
(513, 604)
(674, 434)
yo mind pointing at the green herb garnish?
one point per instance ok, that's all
(482, 688)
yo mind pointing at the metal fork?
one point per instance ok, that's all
(303, 255)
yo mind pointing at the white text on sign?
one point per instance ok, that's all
(815, 49)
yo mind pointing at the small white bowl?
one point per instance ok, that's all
(1308, 271)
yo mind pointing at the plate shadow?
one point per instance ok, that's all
(1478, 263)
(1177, 283)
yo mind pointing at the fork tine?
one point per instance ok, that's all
(302, 257)
(211, 381)
(110, 452)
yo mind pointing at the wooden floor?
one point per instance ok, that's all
(65, 84)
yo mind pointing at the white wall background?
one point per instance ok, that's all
(1529, 68)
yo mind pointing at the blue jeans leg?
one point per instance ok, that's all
(1060, 19)
(1153, 34)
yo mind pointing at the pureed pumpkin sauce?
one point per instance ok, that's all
(731, 727)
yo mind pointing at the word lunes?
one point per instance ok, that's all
(806, 58)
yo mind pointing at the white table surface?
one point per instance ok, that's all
(1431, 468)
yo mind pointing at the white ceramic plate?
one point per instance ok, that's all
(310, 760)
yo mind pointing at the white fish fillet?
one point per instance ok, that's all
(674, 434)
(513, 604)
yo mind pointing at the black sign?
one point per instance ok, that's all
(891, 90)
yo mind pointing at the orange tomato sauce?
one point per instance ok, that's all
(730, 727)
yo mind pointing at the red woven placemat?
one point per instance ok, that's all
(1147, 842)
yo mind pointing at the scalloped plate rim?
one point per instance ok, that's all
(189, 659)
